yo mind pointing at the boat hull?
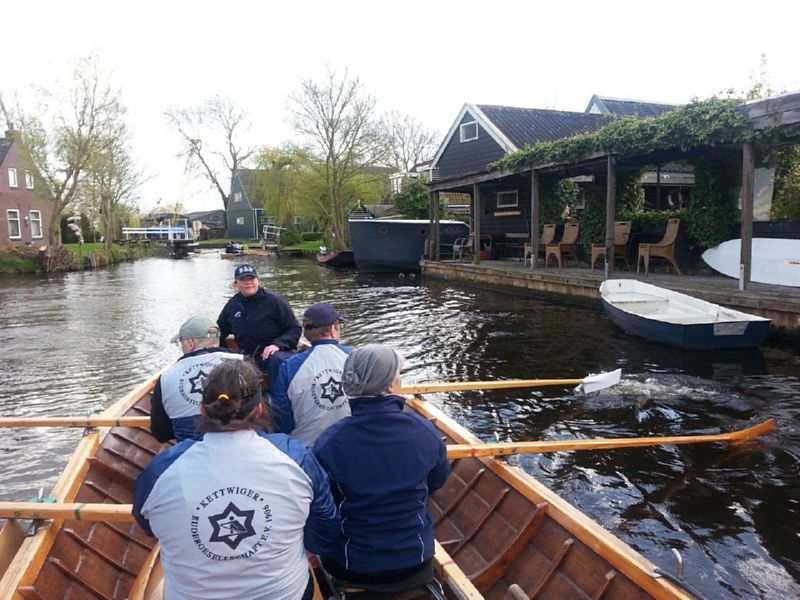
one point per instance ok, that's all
(707, 336)
(774, 261)
(497, 529)
(398, 245)
(679, 320)
(337, 260)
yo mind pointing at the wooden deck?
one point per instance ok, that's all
(779, 303)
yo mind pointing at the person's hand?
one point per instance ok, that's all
(269, 351)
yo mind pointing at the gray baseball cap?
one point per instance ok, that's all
(196, 328)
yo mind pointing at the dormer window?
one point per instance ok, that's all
(469, 131)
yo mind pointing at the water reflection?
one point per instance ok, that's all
(77, 342)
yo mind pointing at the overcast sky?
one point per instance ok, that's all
(423, 58)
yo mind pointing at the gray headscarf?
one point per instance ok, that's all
(369, 370)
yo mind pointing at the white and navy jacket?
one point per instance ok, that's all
(175, 406)
(308, 398)
(233, 513)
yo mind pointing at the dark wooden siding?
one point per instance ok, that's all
(241, 209)
(468, 157)
(493, 222)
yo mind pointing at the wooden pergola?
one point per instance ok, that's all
(777, 112)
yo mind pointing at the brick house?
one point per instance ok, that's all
(24, 209)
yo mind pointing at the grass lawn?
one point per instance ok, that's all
(85, 248)
(311, 246)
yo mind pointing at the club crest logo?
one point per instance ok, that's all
(230, 523)
(192, 380)
(326, 390)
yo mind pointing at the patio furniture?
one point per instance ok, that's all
(622, 232)
(548, 234)
(664, 249)
(566, 247)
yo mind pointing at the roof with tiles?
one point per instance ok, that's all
(623, 107)
(534, 125)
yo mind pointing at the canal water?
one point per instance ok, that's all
(74, 343)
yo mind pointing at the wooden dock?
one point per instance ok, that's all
(779, 303)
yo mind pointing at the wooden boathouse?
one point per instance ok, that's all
(492, 155)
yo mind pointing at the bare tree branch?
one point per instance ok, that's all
(211, 136)
(337, 119)
(407, 141)
(67, 130)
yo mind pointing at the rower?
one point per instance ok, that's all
(175, 407)
(235, 512)
(383, 463)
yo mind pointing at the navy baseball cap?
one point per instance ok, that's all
(244, 271)
(319, 315)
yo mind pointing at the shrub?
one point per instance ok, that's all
(290, 237)
(311, 236)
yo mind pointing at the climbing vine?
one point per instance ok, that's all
(700, 123)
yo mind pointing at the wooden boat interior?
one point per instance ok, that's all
(509, 534)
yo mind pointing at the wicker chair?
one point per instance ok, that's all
(548, 233)
(622, 231)
(568, 246)
(664, 249)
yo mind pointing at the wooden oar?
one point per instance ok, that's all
(500, 449)
(593, 383)
(67, 511)
(122, 512)
(75, 422)
(587, 385)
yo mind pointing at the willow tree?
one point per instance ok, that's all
(67, 128)
(113, 180)
(336, 117)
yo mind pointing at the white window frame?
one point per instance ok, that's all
(240, 220)
(28, 179)
(10, 215)
(237, 196)
(12, 177)
(36, 221)
(508, 203)
(463, 138)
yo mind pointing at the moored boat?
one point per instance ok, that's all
(391, 245)
(678, 319)
(510, 535)
(336, 260)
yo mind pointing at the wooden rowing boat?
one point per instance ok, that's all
(500, 533)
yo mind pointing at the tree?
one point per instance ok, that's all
(283, 182)
(211, 137)
(407, 141)
(68, 129)
(336, 116)
(412, 201)
(113, 179)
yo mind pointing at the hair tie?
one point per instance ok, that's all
(223, 397)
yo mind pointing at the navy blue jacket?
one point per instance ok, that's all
(262, 319)
(382, 463)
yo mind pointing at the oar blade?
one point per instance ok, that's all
(595, 383)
